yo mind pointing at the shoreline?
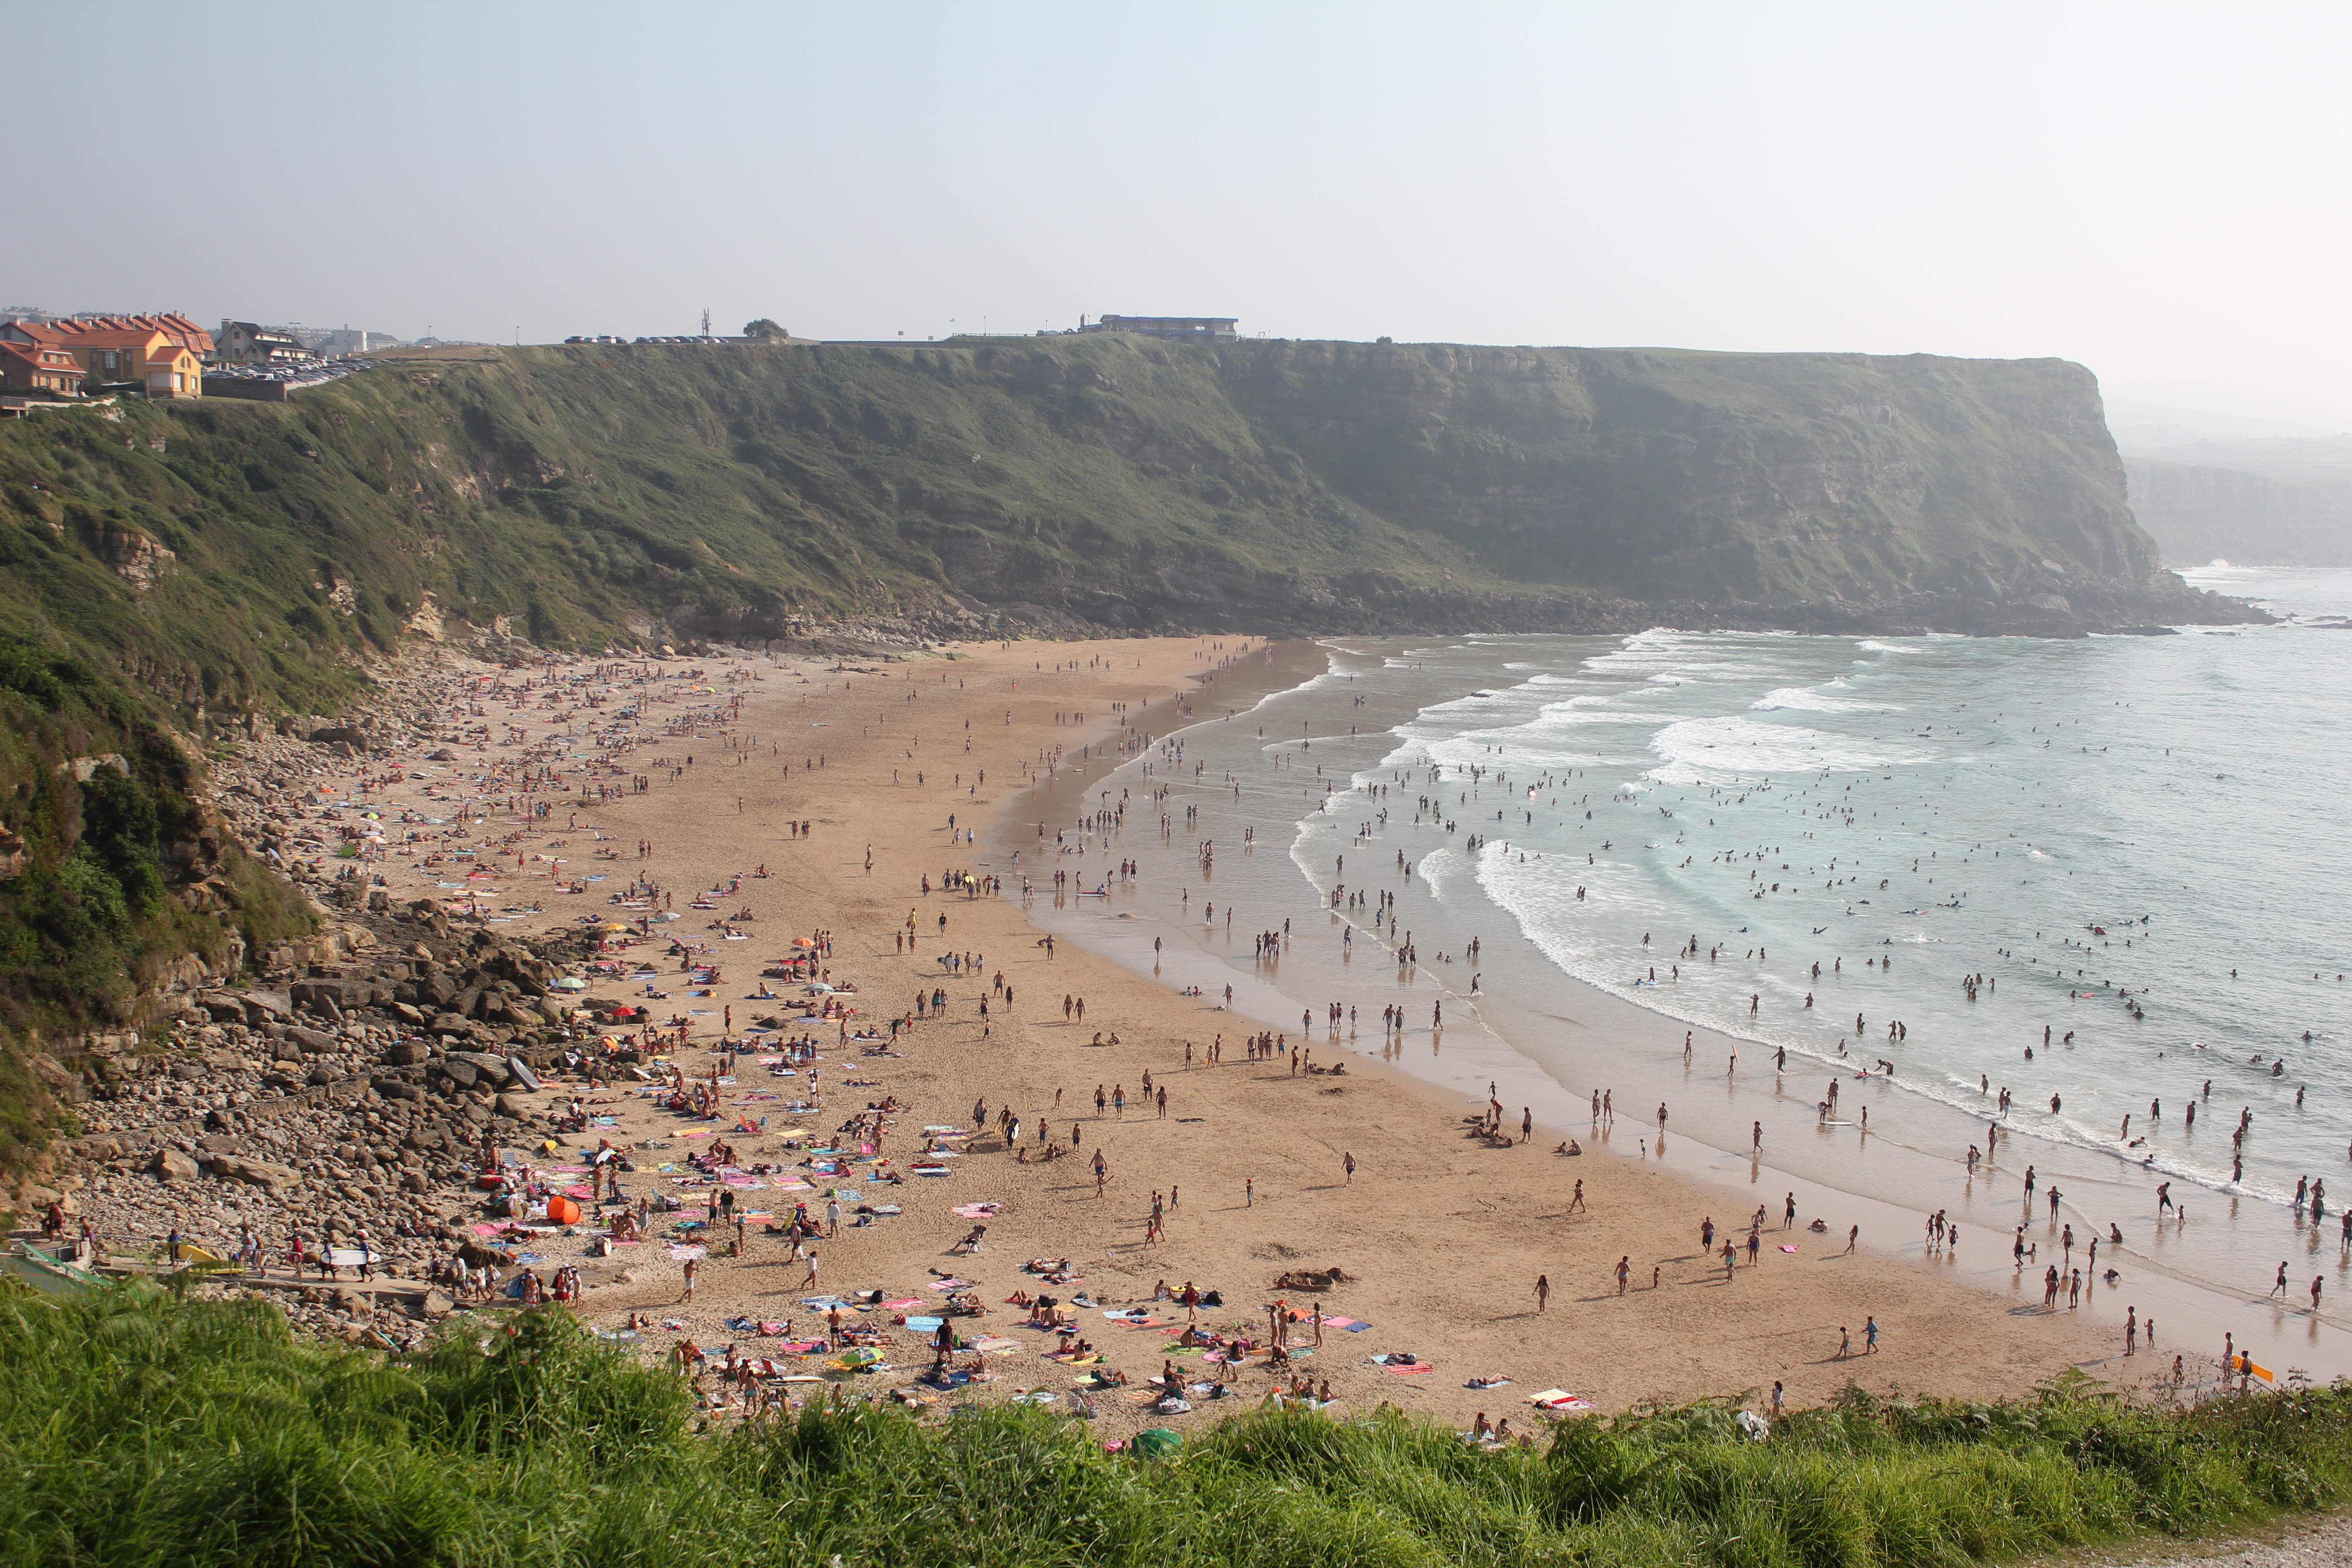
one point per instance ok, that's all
(2197, 1308)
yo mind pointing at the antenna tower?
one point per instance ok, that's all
(706, 321)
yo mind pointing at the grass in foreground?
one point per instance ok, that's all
(138, 1430)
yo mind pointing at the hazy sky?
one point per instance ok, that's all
(2157, 191)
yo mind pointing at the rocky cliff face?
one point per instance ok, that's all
(1808, 486)
(2197, 514)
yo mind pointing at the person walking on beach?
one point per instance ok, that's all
(1870, 1336)
(1624, 1271)
(1543, 1291)
(688, 1295)
(2279, 1288)
(1845, 1343)
(1576, 1201)
(1347, 1164)
(1852, 1236)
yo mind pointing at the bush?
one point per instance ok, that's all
(140, 1429)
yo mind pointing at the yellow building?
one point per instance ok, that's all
(163, 354)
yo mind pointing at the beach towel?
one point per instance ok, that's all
(1558, 1399)
(903, 1303)
(927, 1325)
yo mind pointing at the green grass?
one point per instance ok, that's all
(138, 1430)
(91, 913)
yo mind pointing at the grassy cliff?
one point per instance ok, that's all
(593, 493)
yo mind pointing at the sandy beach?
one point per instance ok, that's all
(1441, 1233)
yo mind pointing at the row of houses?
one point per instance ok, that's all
(159, 356)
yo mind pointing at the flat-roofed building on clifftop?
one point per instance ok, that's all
(1199, 329)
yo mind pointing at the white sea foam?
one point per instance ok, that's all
(1804, 699)
(1692, 749)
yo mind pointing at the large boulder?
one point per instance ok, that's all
(225, 1006)
(491, 1067)
(275, 1180)
(172, 1166)
(265, 1007)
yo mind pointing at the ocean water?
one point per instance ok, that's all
(2138, 844)
(2105, 875)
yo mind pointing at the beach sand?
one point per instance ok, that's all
(1444, 1234)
